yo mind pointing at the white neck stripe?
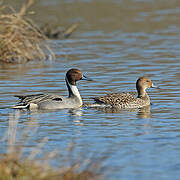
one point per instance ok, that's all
(74, 90)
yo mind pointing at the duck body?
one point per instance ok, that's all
(53, 101)
(123, 100)
(47, 101)
(128, 100)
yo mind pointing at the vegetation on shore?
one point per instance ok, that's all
(20, 39)
(14, 168)
(14, 165)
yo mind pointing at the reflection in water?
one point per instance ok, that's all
(9, 71)
(72, 112)
(17, 136)
(34, 115)
(76, 112)
(75, 115)
(123, 40)
(144, 112)
(12, 131)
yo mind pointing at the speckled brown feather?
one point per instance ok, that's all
(116, 98)
(128, 100)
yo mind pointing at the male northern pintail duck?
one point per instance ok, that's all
(128, 100)
(52, 101)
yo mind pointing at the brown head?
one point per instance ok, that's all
(74, 75)
(142, 84)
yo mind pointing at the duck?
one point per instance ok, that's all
(53, 101)
(128, 100)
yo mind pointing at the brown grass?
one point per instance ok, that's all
(20, 40)
(11, 167)
(14, 165)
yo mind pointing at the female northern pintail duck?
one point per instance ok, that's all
(52, 101)
(128, 100)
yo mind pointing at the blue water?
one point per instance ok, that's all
(140, 145)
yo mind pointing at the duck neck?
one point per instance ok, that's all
(142, 93)
(73, 91)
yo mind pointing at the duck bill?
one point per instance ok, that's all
(153, 86)
(86, 78)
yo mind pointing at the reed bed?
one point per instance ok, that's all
(14, 165)
(20, 39)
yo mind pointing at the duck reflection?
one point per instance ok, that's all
(144, 112)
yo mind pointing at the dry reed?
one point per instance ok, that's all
(11, 167)
(15, 166)
(20, 39)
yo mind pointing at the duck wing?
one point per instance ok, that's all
(115, 98)
(35, 99)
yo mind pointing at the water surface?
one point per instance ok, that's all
(119, 42)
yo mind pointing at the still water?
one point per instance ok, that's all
(116, 42)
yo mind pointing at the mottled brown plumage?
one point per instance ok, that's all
(128, 100)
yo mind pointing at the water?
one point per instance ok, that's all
(119, 42)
